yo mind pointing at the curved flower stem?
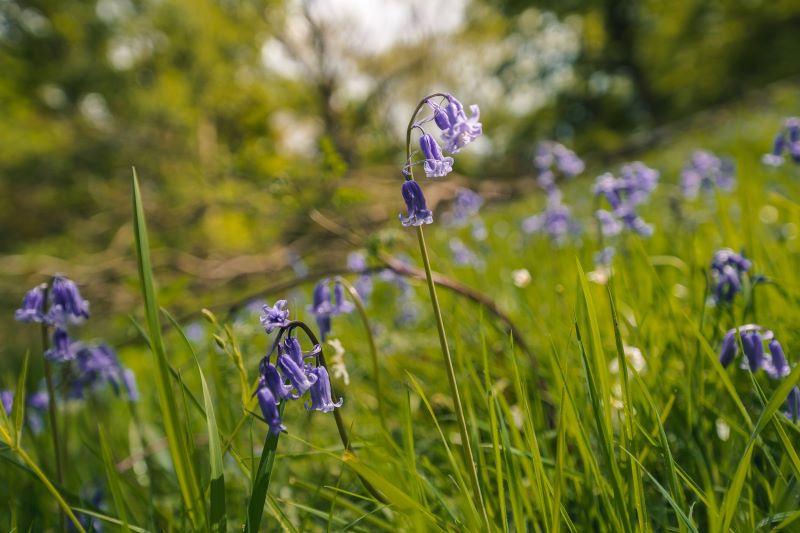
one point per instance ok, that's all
(411, 127)
(51, 411)
(451, 377)
(376, 374)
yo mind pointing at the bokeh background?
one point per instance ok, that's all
(245, 117)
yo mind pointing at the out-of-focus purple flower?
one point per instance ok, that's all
(633, 221)
(129, 384)
(625, 194)
(605, 256)
(7, 399)
(609, 224)
(436, 165)
(98, 365)
(463, 256)
(639, 181)
(32, 309)
(775, 158)
(274, 317)
(787, 139)
(552, 156)
(340, 304)
(727, 271)
(753, 346)
(776, 365)
(322, 307)
(418, 212)
(38, 403)
(66, 304)
(63, 348)
(466, 204)
(555, 221)
(793, 404)
(356, 262)
(269, 409)
(729, 348)
(705, 171)
(321, 392)
(457, 130)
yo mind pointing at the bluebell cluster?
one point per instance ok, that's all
(706, 172)
(294, 372)
(727, 271)
(786, 141)
(457, 130)
(326, 304)
(773, 361)
(625, 194)
(60, 305)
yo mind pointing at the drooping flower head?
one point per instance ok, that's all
(66, 304)
(787, 140)
(276, 316)
(98, 365)
(625, 194)
(325, 305)
(793, 404)
(321, 392)
(556, 222)
(63, 348)
(753, 338)
(269, 409)
(727, 271)
(33, 305)
(466, 204)
(705, 172)
(7, 401)
(457, 130)
(418, 212)
(436, 165)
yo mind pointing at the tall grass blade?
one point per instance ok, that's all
(18, 409)
(113, 479)
(176, 437)
(258, 495)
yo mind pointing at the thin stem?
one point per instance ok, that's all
(376, 374)
(51, 411)
(411, 127)
(451, 377)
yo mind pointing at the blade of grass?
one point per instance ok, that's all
(258, 495)
(113, 479)
(184, 468)
(18, 409)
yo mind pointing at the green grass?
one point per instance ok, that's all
(561, 442)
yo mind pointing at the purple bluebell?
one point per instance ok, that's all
(276, 316)
(33, 305)
(634, 222)
(66, 304)
(463, 256)
(555, 221)
(775, 158)
(793, 404)
(356, 262)
(753, 346)
(729, 348)
(609, 224)
(605, 256)
(639, 181)
(457, 130)
(273, 379)
(269, 409)
(321, 392)
(608, 186)
(37, 404)
(7, 399)
(418, 212)
(296, 374)
(466, 204)
(322, 307)
(436, 165)
(340, 304)
(363, 286)
(705, 171)
(552, 156)
(776, 366)
(727, 271)
(98, 365)
(63, 349)
(129, 384)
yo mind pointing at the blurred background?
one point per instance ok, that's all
(243, 118)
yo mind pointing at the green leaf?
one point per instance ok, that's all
(255, 506)
(176, 437)
(18, 409)
(113, 479)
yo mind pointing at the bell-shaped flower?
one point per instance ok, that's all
(753, 346)
(274, 317)
(457, 130)
(32, 309)
(273, 379)
(436, 165)
(296, 374)
(776, 367)
(793, 404)
(269, 410)
(418, 212)
(7, 400)
(63, 348)
(729, 348)
(67, 305)
(321, 392)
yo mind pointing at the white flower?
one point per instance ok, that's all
(521, 277)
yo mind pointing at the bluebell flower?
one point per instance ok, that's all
(322, 307)
(98, 365)
(63, 348)
(276, 316)
(705, 171)
(296, 373)
(418, 212)
(363, 286)
(269, 409)
(775, 158)
(727, 271)
(67, 305)
(32, 309)
(7, 399)
(605, 256)
(550, 156)
(466, 204)
(776, 366)
(463, 256)
(37, 404)
(356, 262)
(273, 379)
(753, 346)
(556, 222)
(340, 304)
(793, 404)
(129, 383)
(436, 165)
(729, 348)
(633, 221)
(781, 144)
(609, 224)
(321, 392)
(457, 130)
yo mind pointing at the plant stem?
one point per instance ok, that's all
(376, 374)
(451, 377)
(51, 411)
